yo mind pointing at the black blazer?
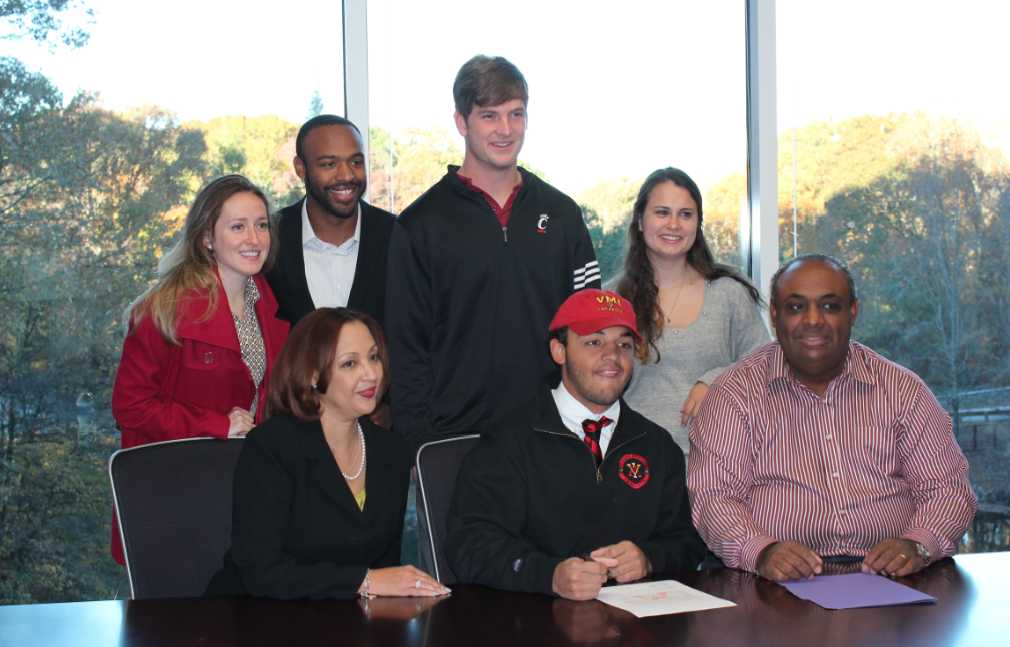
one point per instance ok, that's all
(368, 292)
(297, 531)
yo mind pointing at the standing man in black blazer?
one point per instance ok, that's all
(333, 245)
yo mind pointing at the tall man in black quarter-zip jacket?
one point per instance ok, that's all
(478, 265)
(574, 487)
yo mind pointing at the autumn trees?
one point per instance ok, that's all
(928, 242)
(90, 198)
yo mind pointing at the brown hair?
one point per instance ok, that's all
(189, 265)
(637, 282)
(310, 350)
(488, 81)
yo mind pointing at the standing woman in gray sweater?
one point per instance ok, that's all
(697, 317)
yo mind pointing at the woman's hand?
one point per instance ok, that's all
(403, 581)
(240, 422)
(693, 403)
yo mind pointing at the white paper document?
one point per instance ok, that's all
(659, 598)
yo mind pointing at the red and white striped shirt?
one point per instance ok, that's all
(874, 458)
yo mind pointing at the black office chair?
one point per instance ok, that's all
(437, 466)
(173, 502)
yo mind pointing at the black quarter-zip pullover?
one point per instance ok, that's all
(469, 303)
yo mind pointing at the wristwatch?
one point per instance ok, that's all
(923, 553)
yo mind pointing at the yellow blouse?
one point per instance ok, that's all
(360, 499)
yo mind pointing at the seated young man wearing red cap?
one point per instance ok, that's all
(573, 487)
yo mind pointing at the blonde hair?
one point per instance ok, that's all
(189, 265)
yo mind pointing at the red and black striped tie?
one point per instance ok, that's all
(593, 429)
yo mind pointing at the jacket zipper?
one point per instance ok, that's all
(506, 232)
(599, 475)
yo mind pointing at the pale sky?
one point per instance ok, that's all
(612, 93)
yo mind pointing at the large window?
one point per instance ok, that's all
(893, 151)
(102, 147)
(614, 95)
(893, 155)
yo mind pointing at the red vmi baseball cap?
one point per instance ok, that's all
(589, 311)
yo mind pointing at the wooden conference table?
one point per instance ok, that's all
(973, 609)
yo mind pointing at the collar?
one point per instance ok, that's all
(855, 367)
(308, 235)
(456, 180)
(219, 330)
(487, 196)
(574, 412)
(252, 295)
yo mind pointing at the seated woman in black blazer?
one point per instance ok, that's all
(320, 491)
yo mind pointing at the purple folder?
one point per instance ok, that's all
(854, 591)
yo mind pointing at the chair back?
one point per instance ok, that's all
(437, 466)
(173, 503)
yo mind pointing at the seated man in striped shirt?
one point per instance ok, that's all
(815, 446)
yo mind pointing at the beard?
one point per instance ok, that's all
(322, 197)
(584, 387)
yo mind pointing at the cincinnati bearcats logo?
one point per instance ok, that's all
(634, 470)
(542, 223)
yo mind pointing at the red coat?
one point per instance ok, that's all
(165, 392)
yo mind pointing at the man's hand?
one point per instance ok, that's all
(575, 579)
(693, 403)
(631, 563)
(897, 557)
(789, 560)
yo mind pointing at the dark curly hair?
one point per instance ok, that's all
(637, 282)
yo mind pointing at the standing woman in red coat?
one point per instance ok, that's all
(202, 340)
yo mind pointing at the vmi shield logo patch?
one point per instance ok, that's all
(634, 470)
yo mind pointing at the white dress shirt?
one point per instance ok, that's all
(574, 412)
(329, 269)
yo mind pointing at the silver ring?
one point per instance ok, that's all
(417, 584)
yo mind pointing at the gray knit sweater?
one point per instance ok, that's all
(728, 327)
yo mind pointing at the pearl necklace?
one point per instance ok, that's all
(361, 448)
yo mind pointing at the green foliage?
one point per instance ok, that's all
(94, 247)
(55, 509)
(920, 240)
(260, 148)
(38, 20)
(27, 104)
(609, 244)
(416, 158)
(612, 201)
(89, 198)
